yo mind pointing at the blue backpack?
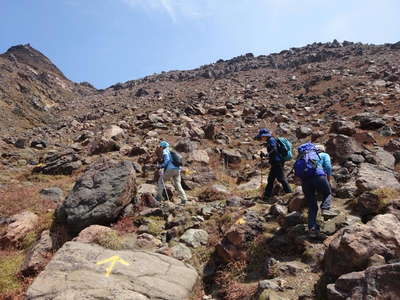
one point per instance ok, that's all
(284, 148)
(307, 163)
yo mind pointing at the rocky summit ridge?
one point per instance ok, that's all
(77, 179)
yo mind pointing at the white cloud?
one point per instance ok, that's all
(175, 9)
(299, 20)
(169, 8)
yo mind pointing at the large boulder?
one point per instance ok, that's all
(351, 247)
(371, 177)
(343, 127)
(98, 196)
(341, 147)
(377, 282)
(74, 273)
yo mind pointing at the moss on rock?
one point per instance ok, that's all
(111, 240)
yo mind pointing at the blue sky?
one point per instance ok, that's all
(109, 41)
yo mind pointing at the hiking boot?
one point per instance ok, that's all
(328, 214)
(313, 233)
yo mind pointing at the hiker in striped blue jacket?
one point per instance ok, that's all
(169, 171)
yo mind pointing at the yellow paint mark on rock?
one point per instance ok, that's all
(113, 260)
(240, 221)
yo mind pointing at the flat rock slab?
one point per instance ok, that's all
(73, 274)
(372, 177)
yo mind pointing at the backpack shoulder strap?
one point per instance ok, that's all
(318, 152)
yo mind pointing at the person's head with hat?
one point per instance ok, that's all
(164, 144)
(263, 134)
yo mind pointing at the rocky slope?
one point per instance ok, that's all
(78, 164)
(30, 86)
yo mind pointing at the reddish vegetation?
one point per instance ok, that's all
(124, 225)
(230, 286)
(15, 199)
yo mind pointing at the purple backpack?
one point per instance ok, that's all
(308, 162)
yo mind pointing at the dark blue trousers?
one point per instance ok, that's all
(277, 172)
(311, 186)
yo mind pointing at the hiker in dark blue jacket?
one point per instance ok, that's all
(277, 164)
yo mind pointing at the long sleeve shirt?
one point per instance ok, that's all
(167, 161)
(325, 163)
(273, 154)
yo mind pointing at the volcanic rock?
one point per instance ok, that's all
(378, 282)
(98, 196)
(357, 243)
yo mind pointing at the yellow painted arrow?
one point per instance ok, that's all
(113, 260)
(240, 221)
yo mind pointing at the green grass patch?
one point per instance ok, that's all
(42, 178)
(155, 227)
(45, 221)
(9, 269)
(29, 239)
(111, 240)
(385, 195)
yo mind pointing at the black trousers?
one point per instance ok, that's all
(276, 172)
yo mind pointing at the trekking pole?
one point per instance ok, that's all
(165, 188)
(261, 178)
(290, 173)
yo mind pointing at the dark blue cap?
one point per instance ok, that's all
(263, 132)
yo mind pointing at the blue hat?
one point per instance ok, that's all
(263, 132)
(164, 144)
